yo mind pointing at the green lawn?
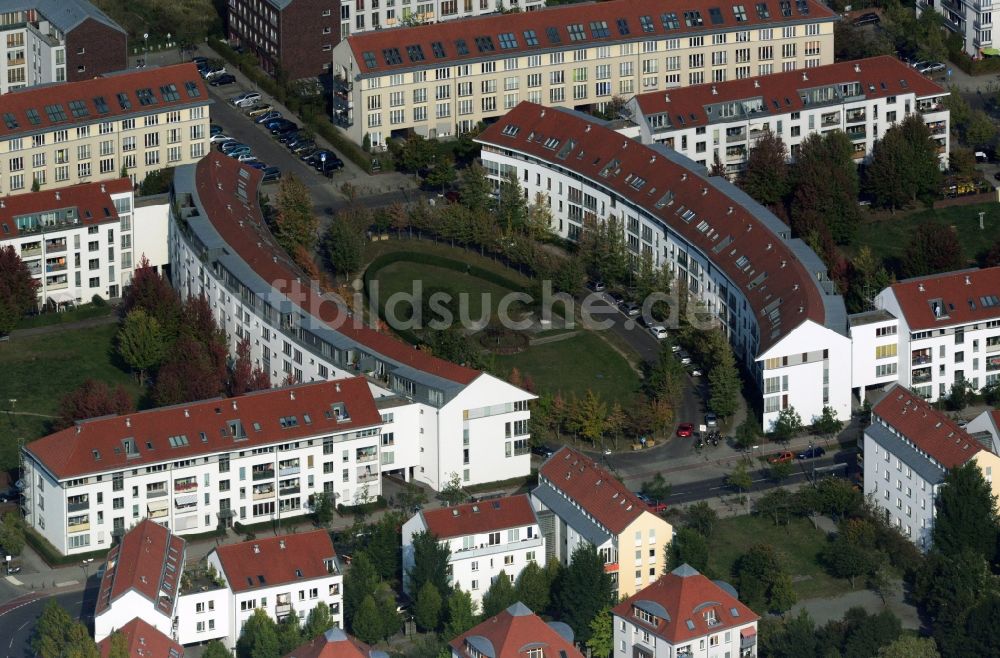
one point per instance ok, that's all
(574, 365)
(466, 290)
(798, 543)
(379, 248)
(39, 370)
(887, 238)
(82, 312)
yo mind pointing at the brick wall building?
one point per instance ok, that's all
(295, 37)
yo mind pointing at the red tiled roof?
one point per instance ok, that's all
(96, 445)
(148, 560)
(596, 490)
(773, 275)
(510, 632)
(276, 560)
(964, 296)
(92, 202)
(18, 103)
(879, 77)
(143, 641)
(559, 19)
(241, 225)
(683, 595)
(932, 431)
(476, 518)
(334, 643)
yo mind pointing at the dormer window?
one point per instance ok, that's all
(535, 652)
(710, 617)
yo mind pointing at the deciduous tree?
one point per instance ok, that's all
(966, 513)
(724, 384)
(317, 621)
(427, 607)
(92, 399)
(584, 590)
(259, 638)
(384, 546)
(766, 176)
(787, 425)
(141, 342)
(826, 187)
(151, 292)
(367, 624)
(932, 248)
(762, 581)
(701, 518)
(461, 613)
(289, 634)
(244, 376)
(430, 563)
(214, 649)
(359, 581)
(533, 587)
(343, 245)
(17, 289)
(295, 223)
(499, 596)
(602, 636)
(687, 547)
(911, 646)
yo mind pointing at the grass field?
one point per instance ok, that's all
(39, 370)
(799, 544)
(574, 365)
(375, 249)
(467, 291)
(82, 312)
(887, 238)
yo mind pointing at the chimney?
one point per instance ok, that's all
(587, 129)
(274, 258)
(805, 76)
(684, 176)
(652, 159)
(187, 414)
(281, 544)
(291, 394)
(666, 98)
(102, 188)
(968, 280)
(256, 548)
(128, 422)
(730, 211)
(857, 68)
(78, 429)
(769, 246)
(542, 113)
(920, 287)
(756, 84)
(336, 387)
(704, 191)
(783, 263)
(801, 309)
(234, 405)
(715, 92)
(625, 144)
(58, 196)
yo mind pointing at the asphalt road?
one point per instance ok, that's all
(17, 619)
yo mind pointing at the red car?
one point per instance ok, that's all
(781, 458)
(685, 429)
(657, 507)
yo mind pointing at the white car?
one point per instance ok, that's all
(214, 72)
(659, 331)
(247, 99)
(218, 139)
(247, 157)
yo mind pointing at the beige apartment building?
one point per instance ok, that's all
(441, 80)
(82, 132)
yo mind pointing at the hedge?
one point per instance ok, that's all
(367, 508)
(975, 66)
(438, 261)
(321, 126)
(52, 556)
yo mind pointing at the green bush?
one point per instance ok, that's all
(53, 557)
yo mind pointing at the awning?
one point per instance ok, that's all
(62, 297)
(157, 505)
(990, 52)
(186, 499)
(748, 632)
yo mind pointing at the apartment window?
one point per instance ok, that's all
(83, 169)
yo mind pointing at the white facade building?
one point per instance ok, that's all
(684, 614)
(970, 19)
(439, 419)
(929, 333)
(484, 538)
(721, 122)
(368, 15)
(770, 293)
(84, 240)
(284, 575)
(198, 466)
(908, 449)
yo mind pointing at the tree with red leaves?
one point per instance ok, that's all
(17, 289)
(194, 370)
(153, 294)
(243, 376)
(92, 399)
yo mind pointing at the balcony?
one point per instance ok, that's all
(289, 469)
(262, 474)
(78, 506)
(829, 120)
(260, 493)
(486, 549)
(34, 268)
(289, 491)
(741, 136)
(367, 476)
(982, 5)
(79, 527)
(856, 135)
(920, 358)
(55, 267)
(185, 485)
(994, 347)
(282, 610)
(157, 509)
(611, 567)
(15, 61)
(983, 24)
(856, 116)
(56, 285)
(921, 376)
(55, 246)
(368, 455)
(156, 493)
(28, 252)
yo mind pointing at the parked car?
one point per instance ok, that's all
(809, 453)
(685, 429)
(215, 129)
(239, 151)
(212, 73)
(615, 298)
(694, 370)
(871, 18)
(630, 309)
(302, 147)
(675, 348)
(657, 506)
(683, 357)
(271, 173)
(245, 97)
(931, 67)
(329, 166)
(267, 117)
(256, 164)
(260, 110)
(285, 127)
(293, 139)
(219, 138)
(781, 458)
(596, 285)
(317, 155)
(659, 331)
(287, 135)
(229, 147)
(246, 157)
(222, 80)
(198, 59)
(711, 420)
(982, 157)
(542, 451)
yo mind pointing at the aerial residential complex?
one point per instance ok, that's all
(771, 293)
(578, 502)
(198, 466)
(442, 80)
(83, 240)
(685, 614)
(137, 122)
(484, 538)
(440, 420)
(970, 19)
(367, 15)
(43, 41)
(908, 449)
(293, 37)
(721, 122)
(146, 578)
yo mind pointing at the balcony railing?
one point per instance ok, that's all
(288, 491)
(367, 477)
(505, 547)
(57, 285)
(55, 267)
(993, 348)
(289, 470)
(156, 493)
(367, 457)
(920, 359)
(855, 117)
(856, 135)
(741, 136)
(157, 513)
(54, 247)
(27, 252)
(262, 494)
(263, 475)
(185, 486)
(78, 507)
(831, 120)
(922, 378)
(79, 527)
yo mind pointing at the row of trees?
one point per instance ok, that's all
(262, 637)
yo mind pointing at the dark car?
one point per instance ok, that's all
(293, 139)
(810, 453)
(222, 80)
(289, 134)
(615, 298)
(214, 129)
(270, 124)
(303, 147)
(256, 164)
(271, 173)
(542, 451)
(198, 59)
(268, 117)
(330, 165)
(871, 18)
(280, 125)
(313, 159)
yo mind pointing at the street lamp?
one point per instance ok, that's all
(85, 565)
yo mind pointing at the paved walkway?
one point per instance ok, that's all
(833, 609)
